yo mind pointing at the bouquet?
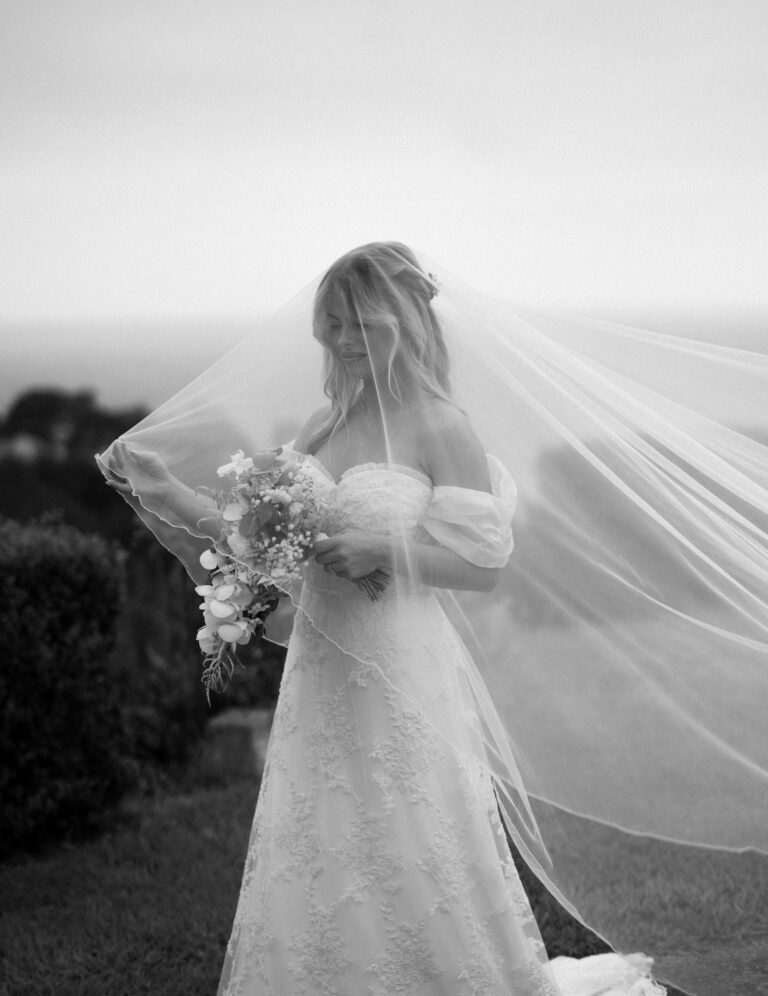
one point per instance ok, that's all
(271, 517)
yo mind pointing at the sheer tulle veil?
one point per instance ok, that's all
(619, 667)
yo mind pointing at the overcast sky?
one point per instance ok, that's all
(196, 158)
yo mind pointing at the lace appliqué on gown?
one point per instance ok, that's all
(377, 864)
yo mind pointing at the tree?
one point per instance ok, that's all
(70, 422)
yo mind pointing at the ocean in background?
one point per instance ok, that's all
(131, 363)
(124, 363)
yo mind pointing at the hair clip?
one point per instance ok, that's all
(433, 291)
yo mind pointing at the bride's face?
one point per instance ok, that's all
(363, 348)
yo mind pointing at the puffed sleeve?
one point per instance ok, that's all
(475, 524)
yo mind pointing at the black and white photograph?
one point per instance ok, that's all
(383, 498)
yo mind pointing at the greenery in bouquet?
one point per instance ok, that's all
(271, 518)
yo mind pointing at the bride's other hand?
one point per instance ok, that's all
(352, 553)
(137, 471)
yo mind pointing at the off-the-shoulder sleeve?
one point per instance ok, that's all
(475, 524)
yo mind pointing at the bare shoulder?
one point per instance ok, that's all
(311, 427)
(453, 454)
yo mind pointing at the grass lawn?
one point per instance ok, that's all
(147, 907)
(673, 889)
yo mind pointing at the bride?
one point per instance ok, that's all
(378, 861)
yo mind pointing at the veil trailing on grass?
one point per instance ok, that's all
(618, 671)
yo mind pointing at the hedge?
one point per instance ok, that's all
(66, 745)
(157, 661)
(99, 676)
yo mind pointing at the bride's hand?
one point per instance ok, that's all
(352, 553)
(133, 471)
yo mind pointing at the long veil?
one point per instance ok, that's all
(618, 671)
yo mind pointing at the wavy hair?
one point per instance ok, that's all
(382, 286)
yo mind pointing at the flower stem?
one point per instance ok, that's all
(374, 584)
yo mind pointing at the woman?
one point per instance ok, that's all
(377, 862)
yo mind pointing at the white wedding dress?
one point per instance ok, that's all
(377, 863)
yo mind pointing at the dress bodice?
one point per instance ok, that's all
(379, 498)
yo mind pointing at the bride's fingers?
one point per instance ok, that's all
(144, 461)
(332, 564)
(113, 461)
(121, 452)
(338, 572)
(119, 484)
(323, 549)
(128, 454)
(113, 468)
(115, 478)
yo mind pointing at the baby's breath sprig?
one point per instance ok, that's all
(272, 517)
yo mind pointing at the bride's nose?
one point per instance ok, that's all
(347, 335)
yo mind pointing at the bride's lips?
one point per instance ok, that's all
(354, 356)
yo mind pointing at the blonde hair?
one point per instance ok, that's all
(382, 285)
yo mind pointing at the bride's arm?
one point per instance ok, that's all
(453, 456)
(135, 473)
(437, 566)
(354, 553)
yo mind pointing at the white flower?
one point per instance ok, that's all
(240, 464)
(211, 560)
(222, 610)
(295, 508)
(236, 632)
(238, 544)
(232, 512)
(206, 639)
(211, 622)
(242, 596)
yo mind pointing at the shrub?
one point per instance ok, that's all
(256, 684)
(73, 487)
(159, 665)
(100, 675)
(157, 662)
(66, 747)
